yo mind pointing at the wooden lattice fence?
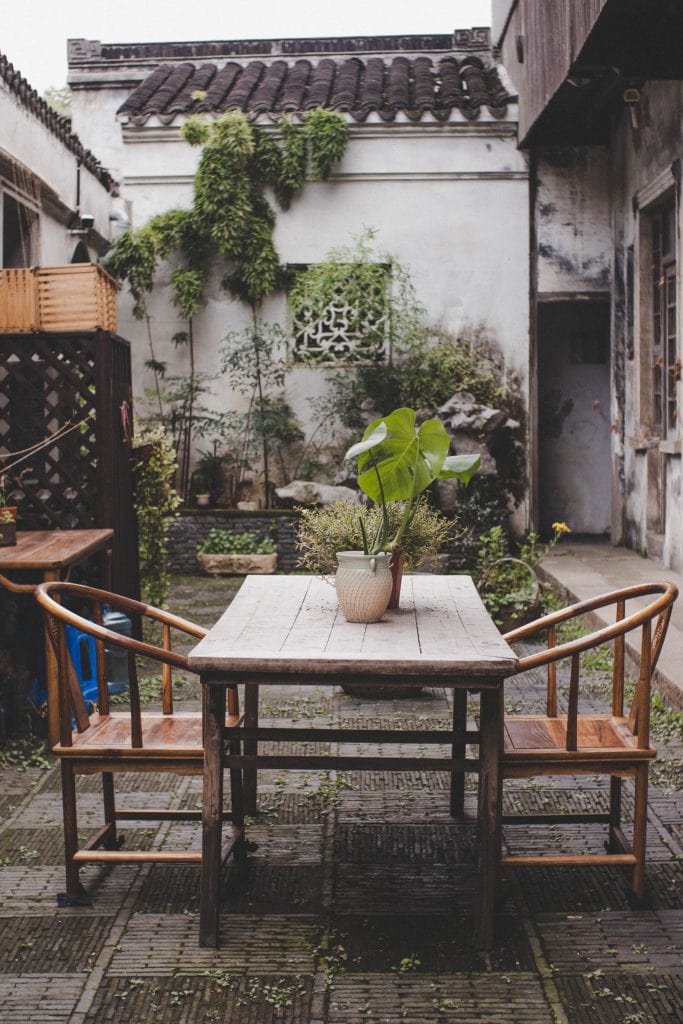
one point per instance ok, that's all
(48, 381)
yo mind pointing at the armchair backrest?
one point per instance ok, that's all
(652, 620)
(71, 702)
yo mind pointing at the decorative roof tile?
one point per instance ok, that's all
(55, 123)
(387, 86)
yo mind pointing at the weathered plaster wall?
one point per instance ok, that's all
(641, 175)
(573, 228)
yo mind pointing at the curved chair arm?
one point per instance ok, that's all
(44, 595)
(660, 607)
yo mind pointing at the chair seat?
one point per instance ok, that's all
(533, 737)
(177, 735)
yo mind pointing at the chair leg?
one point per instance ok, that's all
(615, 783)
(109, 801)
(640, 830)
(75, 893)
(458, 752)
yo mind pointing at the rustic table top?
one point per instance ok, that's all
(52, 549)
(292, 625)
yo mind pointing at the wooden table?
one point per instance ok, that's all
(288, 630)
(51, 552)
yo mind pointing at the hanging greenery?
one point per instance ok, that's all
(230, 212)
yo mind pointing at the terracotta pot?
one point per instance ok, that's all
(8, 534)
(364, 585)
(397, 562)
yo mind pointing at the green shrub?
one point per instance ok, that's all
(226, 542)
(322, 532)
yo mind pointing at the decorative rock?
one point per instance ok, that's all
(237, 565)
(309, 492)
(462, 412)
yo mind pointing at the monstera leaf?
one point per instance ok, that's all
(397, 461)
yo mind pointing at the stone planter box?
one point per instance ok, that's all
(237, 565)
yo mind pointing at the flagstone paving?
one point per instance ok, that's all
(356, 903)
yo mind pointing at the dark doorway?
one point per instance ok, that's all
(574, 447)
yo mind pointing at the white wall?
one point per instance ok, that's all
(448, 201)
(27, 140)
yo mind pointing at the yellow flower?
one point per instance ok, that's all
(560, 528)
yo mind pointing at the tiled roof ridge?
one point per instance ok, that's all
(56, 123)
(87, 51)
(413, 85)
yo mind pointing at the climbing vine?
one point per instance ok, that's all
(230, 215)
(230, 211)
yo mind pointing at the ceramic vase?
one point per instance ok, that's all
(364, 584)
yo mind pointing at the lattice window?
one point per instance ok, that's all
(348, 332)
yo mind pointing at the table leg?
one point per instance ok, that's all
(250, 748)
(212, 814)
(490, 811)
(458, 752)
(51, 678)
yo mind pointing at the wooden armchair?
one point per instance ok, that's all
(107, 742)
(616, 744)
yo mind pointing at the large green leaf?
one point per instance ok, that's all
(369, 440)
(461, 466)
(404, 464)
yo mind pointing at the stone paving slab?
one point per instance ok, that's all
(156, 944)
(255, 1000)
(39, 998)
(611, 998)
(396, 999)
(649, 941)
(47, 945)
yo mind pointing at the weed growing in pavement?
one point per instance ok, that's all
(23, 752)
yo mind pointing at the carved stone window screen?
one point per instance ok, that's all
(345, 334)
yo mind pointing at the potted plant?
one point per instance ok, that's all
(397, 461)
(322, 532)
(236, 554)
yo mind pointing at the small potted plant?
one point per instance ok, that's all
(236, 554)
(8, 527)
(397, 461)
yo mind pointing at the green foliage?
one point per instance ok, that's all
(230, 213)
(322, 532)
(327, 134)
(293, 160)
(509, 586)
(254, 361)
(226, 542)
(397, 461)
(133, 258)
(59, 99)
(156, 501)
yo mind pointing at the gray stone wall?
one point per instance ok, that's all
(192, 526)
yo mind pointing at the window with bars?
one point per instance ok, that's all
(666, 367)
(351, 328)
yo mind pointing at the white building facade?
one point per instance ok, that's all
(431, 165)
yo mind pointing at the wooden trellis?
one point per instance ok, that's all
(48, 381)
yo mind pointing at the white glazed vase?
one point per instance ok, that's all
(363, 584)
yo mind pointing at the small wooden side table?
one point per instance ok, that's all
(51, 552)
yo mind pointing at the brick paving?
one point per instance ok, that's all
(356, 903)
